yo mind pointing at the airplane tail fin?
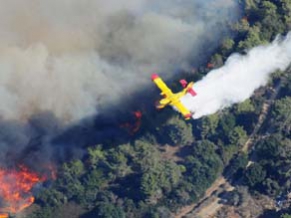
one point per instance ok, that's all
(183, 83)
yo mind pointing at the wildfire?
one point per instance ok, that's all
(4, 215)
(210, 65)
(16, 186)
(133, 128)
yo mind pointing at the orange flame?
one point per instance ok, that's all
(138, 116)
(16, 186)
(4, 215)
(133, 128)
(210, 65)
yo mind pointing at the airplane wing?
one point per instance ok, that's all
(162, 86)
(183, 110)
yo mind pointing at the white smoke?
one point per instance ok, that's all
(238, 78)
(71, 57)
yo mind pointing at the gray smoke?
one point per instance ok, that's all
(239, 77)
(71, 57)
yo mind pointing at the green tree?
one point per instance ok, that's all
(238, 136)
(75, 168)
(203, 165)
(246, 115)
(75, 190)
(270, 20)
(94, 179)
(252, 39)
(146, 156)
(269, 148)
(162, 212)
(178, 131)
(251, 5)
(216, 60)
(150, 184)
(286, 90)
(163, 177)
(208, 125)
(227, 46)
(95, 154)
(254, 175)
(238, 163)
(52, 198)
(170, 175)
(242, 27)
(107, 210)
(282, 114)
(272, 188)
(285, 216)
(227, 123)
(244, 107)
(118, 162)
(227, 152)
(286, 8)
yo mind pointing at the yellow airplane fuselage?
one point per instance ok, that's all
(170, 98)
(173, 98)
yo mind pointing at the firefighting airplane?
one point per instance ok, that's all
(169, 98)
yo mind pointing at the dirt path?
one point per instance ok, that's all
(187, 209)
(250, 142)
(210, 209)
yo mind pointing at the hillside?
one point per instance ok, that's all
(158, 165)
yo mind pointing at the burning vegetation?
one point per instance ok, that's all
(4, 215)
(133, 127)
(16, 188)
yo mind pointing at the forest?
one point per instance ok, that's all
(169, 163)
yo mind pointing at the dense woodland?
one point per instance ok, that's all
(170, 163)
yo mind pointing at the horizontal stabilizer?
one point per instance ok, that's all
(191, 91)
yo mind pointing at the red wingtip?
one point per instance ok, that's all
(188, 116)
(155, 76)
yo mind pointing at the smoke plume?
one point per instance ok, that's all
(73, 57)
(239, 77)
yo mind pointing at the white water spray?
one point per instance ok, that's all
(238, 78)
